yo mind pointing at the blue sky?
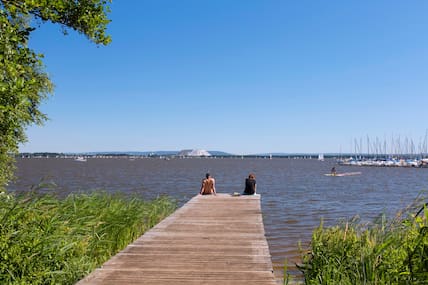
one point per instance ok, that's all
(238, 76)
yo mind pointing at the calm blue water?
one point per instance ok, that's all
(295, 193)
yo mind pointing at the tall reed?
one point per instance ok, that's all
(385, 252)
(46, 240)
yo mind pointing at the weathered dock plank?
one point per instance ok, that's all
(210, 240)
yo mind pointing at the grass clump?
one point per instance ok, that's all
(385, 252)
(46, 240)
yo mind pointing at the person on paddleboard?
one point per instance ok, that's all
(333, 171)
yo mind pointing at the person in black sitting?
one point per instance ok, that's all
(250, 185)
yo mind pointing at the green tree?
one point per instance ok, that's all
(23, 82)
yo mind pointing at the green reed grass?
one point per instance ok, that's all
(47, 240)
(385, 252)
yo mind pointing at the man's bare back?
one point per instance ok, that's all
(208, 186)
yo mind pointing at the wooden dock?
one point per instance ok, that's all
(210, 240)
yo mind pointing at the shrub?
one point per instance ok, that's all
(394, 252)
(46, 240)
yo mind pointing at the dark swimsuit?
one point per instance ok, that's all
(250, 186)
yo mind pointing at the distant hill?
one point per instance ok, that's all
(194, 152)
(219, 153)
(157, 153)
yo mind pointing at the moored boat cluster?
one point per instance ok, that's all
(389, 162)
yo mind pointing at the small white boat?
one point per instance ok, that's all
(80, 159)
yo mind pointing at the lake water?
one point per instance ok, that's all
(295, 195)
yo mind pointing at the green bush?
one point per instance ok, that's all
(46, 240)
(394, 252)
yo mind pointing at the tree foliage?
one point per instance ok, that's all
(24, 84)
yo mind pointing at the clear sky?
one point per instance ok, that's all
(240, 76)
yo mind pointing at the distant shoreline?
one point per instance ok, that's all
(170, 155)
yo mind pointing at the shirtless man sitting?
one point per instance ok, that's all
(208, 185)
